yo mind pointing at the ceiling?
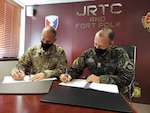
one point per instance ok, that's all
(42, 2)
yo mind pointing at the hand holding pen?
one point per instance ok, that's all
(65, 77)
(18, 74)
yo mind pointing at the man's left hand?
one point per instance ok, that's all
(37, 77)
(93, 78)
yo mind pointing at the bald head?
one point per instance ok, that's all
(108, 32)
(50, 29)
(104, 38)
(48, 35)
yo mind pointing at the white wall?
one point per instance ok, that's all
(5, 67)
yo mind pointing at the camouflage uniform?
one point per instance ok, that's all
(114, 67)
(53, 62)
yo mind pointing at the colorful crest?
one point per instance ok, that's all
(146, 21)
(51, 20)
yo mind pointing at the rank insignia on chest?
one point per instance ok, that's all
(99, 65)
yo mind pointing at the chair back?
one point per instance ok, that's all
(131, 50)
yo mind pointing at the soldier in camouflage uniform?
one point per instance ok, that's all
(43, 60)
(106, 63)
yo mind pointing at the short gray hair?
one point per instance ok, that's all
(109, 32)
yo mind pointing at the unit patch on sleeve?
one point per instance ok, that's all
(128, 66)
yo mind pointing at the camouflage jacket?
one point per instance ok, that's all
(52, 62)
(114, 67)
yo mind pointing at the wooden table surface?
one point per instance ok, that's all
(11, 103)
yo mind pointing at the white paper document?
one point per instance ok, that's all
(81, 83)
(75, 83)
(112, 88)
(9, 79)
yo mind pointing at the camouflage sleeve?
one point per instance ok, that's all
(23, 63)
(60, 68)
(32, 62)
(125, 71)
(77, 67)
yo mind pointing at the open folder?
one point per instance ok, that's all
(87, 98)
(81, 83)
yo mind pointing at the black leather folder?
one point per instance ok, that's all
(87, 98)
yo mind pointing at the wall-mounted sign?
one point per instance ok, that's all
(52, 20)
(146, 21)
(98, 15)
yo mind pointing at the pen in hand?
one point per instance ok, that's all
(66, 72)
(19, 75)
(30, 73)
(68, 76)
(19, 70)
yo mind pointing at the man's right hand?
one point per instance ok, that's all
(65, 78)
(18, 75)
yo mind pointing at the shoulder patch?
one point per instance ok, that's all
(128, 66)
